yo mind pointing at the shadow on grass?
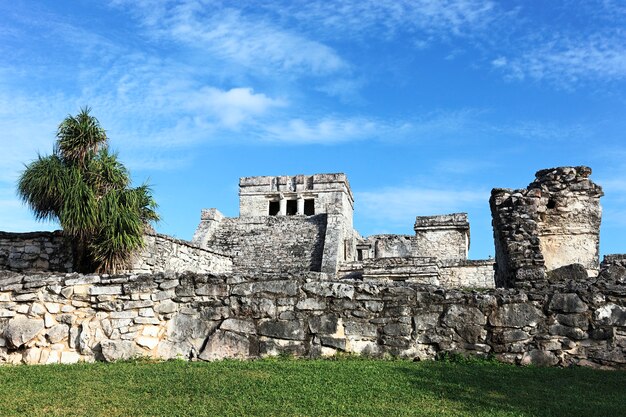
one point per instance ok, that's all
(485, 387)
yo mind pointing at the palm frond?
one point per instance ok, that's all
(42, 186)
(79, 137)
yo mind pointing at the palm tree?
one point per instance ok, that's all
(87, 190)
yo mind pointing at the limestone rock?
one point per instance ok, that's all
(539, 358)
(20, 330)
(239, 326)
(567, 303)
(225, 344)
(115, 350)
(292, 329)
(515, 315)
(611, 315)
(58, 333)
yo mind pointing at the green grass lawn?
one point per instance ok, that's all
(346, 387)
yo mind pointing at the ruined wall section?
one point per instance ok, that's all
(553, 223)
(390, 246)
(35, 251)
(467, 274)
(71, 318)
(163, 253)
(569, 226)
(269, 243)
(444, 236)
(49, 252)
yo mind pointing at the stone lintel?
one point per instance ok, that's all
(456, 221)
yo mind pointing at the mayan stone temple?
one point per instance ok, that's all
(291, 275)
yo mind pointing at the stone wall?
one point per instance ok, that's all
(554, 222)
(35, 251)
(390, 246)
(444, 236)
(49, 252)
(49, 318)
(165, 254)
(269, 243)
(467, 274)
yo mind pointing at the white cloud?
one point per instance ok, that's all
(567, 60)
(227, 34)
(234, 106)
(324, 131)
(420, 18)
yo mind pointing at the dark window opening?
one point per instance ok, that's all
(359, 254)
(274, 208)
(309, 207)
(292, 207)
(551, 204)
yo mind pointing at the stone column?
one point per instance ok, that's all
(283, 205)
(300, 205)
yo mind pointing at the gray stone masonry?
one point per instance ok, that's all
(67, 318)
(269, 243)
(444, 236)
(36, 251)
(553, 223)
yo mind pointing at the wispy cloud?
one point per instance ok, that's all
(227, 34)
(566, 60)
(362, 18)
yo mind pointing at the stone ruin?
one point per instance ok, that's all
(291, 275)
(552, 223)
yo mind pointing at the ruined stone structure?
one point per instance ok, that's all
(552, 223)
(290, 275)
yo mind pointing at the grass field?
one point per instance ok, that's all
(346, 387)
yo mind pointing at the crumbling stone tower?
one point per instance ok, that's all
(554, 222)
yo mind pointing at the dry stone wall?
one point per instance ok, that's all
(48, 251)
(163, 253)
(68, 318)
(554, 222)
(35, 251)
(271, 243)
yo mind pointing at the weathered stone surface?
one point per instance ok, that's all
(292, 329)
(567, 303)
(239, 326)
(225, 344)
(21, 330)
(539, 358)
(58, 333)
(573, 272)
(611, 315)
(458, 315)
(115, 350)
(283, 288)
(326, 324)
(515, 315)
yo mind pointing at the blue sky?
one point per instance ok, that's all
(426, 105)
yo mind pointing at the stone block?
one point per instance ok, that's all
(239, 326)
(567, 303)
(225, 344)
(106, 290)
(611, 315)
(69, 357)
(539, 358)
(166, 307)
(114, 350)
(311, 304)
(58, 333)
(147, 342)
(516, 315)
(21, 330)
(291, 330)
